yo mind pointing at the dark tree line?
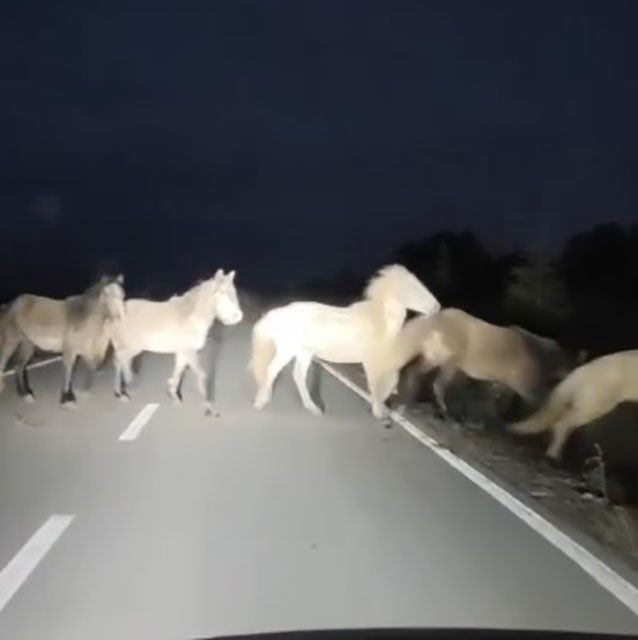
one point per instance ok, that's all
(586, 297)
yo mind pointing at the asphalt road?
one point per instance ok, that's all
(255, 521)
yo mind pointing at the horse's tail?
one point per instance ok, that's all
(263, 351)
(555, 406)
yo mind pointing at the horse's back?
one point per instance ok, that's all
(336, 334)
(41, 320)
(302, 313)
(135, 306)
(157, 326)
(622, 366)
(39, 310)
(486, 351)
(599, 385)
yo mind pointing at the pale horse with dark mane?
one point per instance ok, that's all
(180, 326)
(363, 332)
(77, 327)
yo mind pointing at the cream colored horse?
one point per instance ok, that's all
(179, 325)
(454, 340)
(363, 332)
(79, 326)
(587, 393)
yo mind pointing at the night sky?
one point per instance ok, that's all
(290, 139)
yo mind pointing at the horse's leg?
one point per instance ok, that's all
(9, 345)
(25, 353)
(560, 433)
(281, 359)
(118, 385)
(121, 365)
(200, 375)
(68, 397)
(300, 375)
(380, 384)
(387, 385)
(441, 382)
(175, 381)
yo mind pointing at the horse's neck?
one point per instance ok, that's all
(394, 314)
(199, 308)
(83, 310)
(389, 315)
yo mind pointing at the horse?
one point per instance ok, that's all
(453, 340)
(77, 327)
(360, 333)
(587, 393)
(180, 326)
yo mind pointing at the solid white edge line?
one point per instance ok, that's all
(35, 365)
(139, 422)
(22, 565)
(602, 573)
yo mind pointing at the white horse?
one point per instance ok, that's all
(179, 325)
(78, 326)
(362, 332)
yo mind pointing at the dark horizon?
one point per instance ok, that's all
(291, 140)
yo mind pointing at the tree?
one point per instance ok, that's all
(456, 266)
(443, 271)
(603, 262)
(536, 296)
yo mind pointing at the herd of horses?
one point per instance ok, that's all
(560, 391)
(86, 325)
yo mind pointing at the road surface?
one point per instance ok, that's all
(251, 521)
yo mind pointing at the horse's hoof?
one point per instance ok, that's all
(316, 411)
(29, 398)
(123, 397)
(71, 405)
(208, 409)
(552, 458)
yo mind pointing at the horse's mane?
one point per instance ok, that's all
(188, 300)
(81, 306)
(389, 280)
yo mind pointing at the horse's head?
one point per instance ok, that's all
(396, 284)
(227, 307)
(112, 298)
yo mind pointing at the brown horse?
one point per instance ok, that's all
(453, 340)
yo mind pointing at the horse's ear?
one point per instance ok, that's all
(230, 276)
(120, 278)
(219, 274)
